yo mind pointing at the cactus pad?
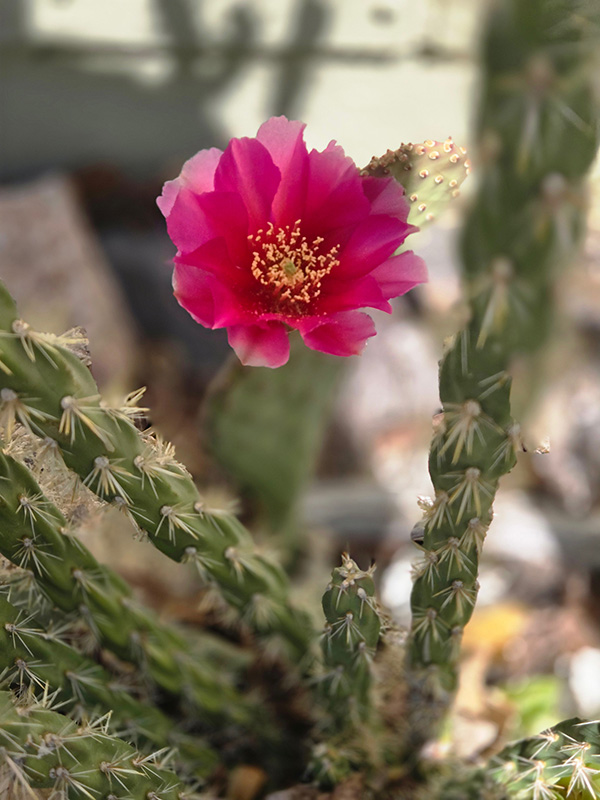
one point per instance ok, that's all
(431, 174)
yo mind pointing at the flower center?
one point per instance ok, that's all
(290, 266)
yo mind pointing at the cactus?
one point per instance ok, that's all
(453, 781)
(513, 242)
(563, 761)
(538, 130)
(33, 536)
(41, 749)
(34, 658)
(51, 392)
(349, 642)
(431, 174)
(252, 411)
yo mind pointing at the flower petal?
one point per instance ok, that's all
(263, 345)
(197, 174)
(211, 302)
(341, 295)
(192, 289)
(342, 334)
(196, 219)
(334, 198)
(186, 222)
(247, 169)
(386, 196)
(400, 274)
(226, 217)
(213, 258)
(350, 225)
(371, 243)
(283, 139)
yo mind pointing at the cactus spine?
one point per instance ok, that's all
(50, 391)
(538, 128)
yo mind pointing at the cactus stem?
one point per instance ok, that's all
(462, 423)
(103, 480)
(176, 519)
(437, 512)
(35, 508)
(474, 535)
(75, 414)
(15, 409)
(459, 594)
(28, 555)
(470, 487)
(428, 626)
(31, 339)
(426, 567)
(451, 553)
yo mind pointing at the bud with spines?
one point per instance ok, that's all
(349, 641)
(431, 174)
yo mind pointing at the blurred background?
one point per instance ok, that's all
(101, 101)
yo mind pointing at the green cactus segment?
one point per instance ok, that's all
(515, 238)
(456, 781)
(330, 765)
(34, 658)
(431, 174)
(41, 749)
(252, 411)
(563, 761)
(49, 390)
(32, 536)
(475, 443)
(349, 642)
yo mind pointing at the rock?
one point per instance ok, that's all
(246, 782)
(54, 268)
(584, 681)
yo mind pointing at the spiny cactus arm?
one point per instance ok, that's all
(563, 761)
(431, 174)
(32, 536)
(32, 657)
(41, 749)
(48, 389)
(516, 236)
(349, 642)
(473, 447)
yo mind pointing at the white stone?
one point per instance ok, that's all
(584, 681)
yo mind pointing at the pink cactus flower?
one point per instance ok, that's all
(271, 237)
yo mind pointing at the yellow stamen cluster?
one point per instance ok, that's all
(290, 266)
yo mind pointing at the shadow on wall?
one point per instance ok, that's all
(59, 113)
